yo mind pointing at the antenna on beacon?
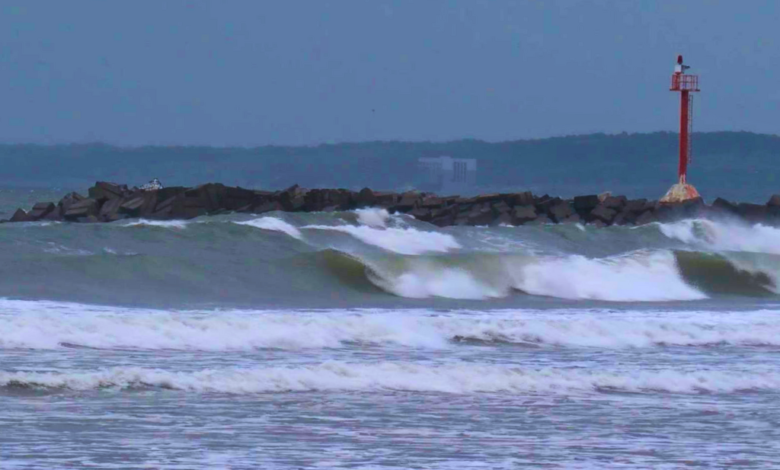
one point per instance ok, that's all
(685, 84)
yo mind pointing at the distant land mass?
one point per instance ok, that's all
(733, 165)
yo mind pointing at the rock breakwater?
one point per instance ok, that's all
(109, 202)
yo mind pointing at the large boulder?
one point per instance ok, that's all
(104, 191)
(520, 199)
(407, 201)
(774, 201)
(20, 216)
(68, 200)
(585, 204)
(365, 198)
(140, 204)
(41, 210)
(109, 211)
(615, 203)
(81, 209)
(523, 214)
(603, 213)
(293, 199)
(421, 213)
(560, 211)
(481, 215)
(754, 213)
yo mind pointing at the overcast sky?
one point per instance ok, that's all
(305, 72)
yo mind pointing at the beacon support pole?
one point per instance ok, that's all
(685, 84)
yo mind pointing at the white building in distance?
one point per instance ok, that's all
(447, 175)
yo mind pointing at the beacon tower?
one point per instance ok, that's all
(684, 84)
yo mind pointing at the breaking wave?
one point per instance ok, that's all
(275, 225)
(340, 376)
(405, 241)
(730, 236)
(41, 325)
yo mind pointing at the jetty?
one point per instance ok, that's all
(109, 202)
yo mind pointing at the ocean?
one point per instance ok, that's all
(368, 340)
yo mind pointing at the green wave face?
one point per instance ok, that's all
(372, 258)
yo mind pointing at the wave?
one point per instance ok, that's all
(410, 377)
(178, 224)
(731, 236)
(638, 276)
(41, 325)
(372, 217)
(405, 241)
(275, 225)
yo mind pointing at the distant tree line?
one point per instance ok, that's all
(736, 165)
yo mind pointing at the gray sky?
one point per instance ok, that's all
(306, 72)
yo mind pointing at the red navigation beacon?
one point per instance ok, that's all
(685, 84)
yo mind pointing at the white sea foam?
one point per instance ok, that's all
(638, 276)
(373, 217)
(273, 224)
(455, 379)
(405, 241)
(725, 235)
(451, 283)
(634, 277)
(177, 224)
(50, 325)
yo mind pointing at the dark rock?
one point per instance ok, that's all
(385, 199)
(109, 211)
(753, 212)
(603, 214)
(624, 218)
(483, 198)
(104, 191)
(421, 213)
(544, 204)
(520, 199)
(431, 202)
(480, 215)
(407, 202)
(615, 202)
(69, 200)
(647, 217)
(82, 208)
(586, 203)
(233, 199)
(268, 207)
(723, 205)
(560, 211)
(365, 198)
(523, 214)
(501, 207)
(774, 201)
(41, 210)
(141, 204)
(636, 205)
(20, 216)
(572, 219)
(444, 220)
(55, 215)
